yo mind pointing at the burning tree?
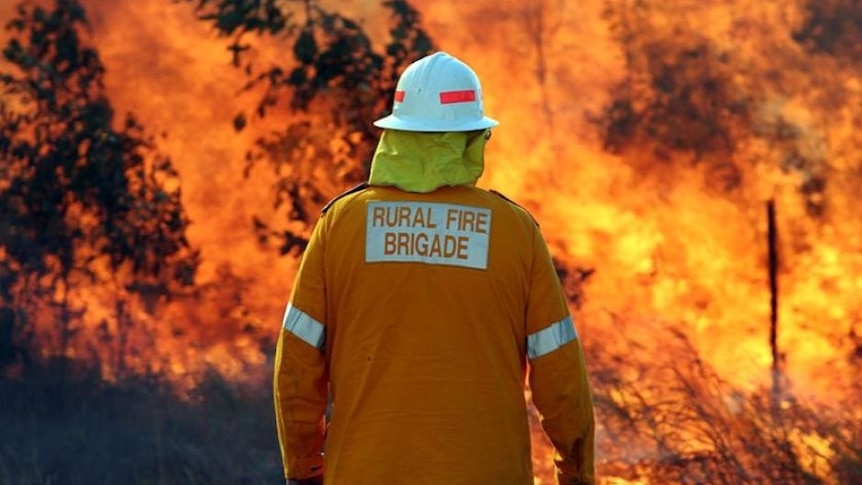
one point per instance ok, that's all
(334, 84)
(689, 103)
(88, 204)
(830, 27)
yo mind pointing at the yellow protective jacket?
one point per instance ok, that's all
(420, 306)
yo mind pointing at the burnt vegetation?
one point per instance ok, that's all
(85, 431)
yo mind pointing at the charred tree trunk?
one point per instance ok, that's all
(772, 235)
(7, 345)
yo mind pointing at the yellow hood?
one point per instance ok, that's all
(424, 162)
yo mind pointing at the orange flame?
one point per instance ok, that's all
(670, 250)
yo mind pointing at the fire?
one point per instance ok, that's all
(678, 305)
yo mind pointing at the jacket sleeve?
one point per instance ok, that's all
(558, 375)
(300, 380)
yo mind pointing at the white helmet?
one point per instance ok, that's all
(437, 93)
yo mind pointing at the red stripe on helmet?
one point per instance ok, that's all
(399, 96)
(466, 96)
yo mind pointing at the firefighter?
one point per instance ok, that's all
(421, 306)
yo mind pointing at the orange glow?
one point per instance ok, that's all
(676, 256)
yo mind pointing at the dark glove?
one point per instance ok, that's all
(318, 480)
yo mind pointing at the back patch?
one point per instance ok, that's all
(427, 232)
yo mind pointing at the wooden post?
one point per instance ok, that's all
(7, 332)
(773, 301)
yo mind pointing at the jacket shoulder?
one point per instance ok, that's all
(518, 206)
(353, 190)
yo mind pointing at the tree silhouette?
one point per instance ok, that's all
(832, 27)
(335, 84)
(681, 97)
(83, 200)
(678, 94)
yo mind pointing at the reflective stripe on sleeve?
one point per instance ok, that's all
(551, 338)
(303, 326)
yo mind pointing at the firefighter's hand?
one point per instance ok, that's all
(318, 480)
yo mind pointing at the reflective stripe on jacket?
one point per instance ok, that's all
(420, 315)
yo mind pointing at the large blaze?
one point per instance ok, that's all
(647, 138)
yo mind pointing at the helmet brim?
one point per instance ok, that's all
(391, 122)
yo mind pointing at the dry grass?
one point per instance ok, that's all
(665, 419)
(669, 418)
(82, 431)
